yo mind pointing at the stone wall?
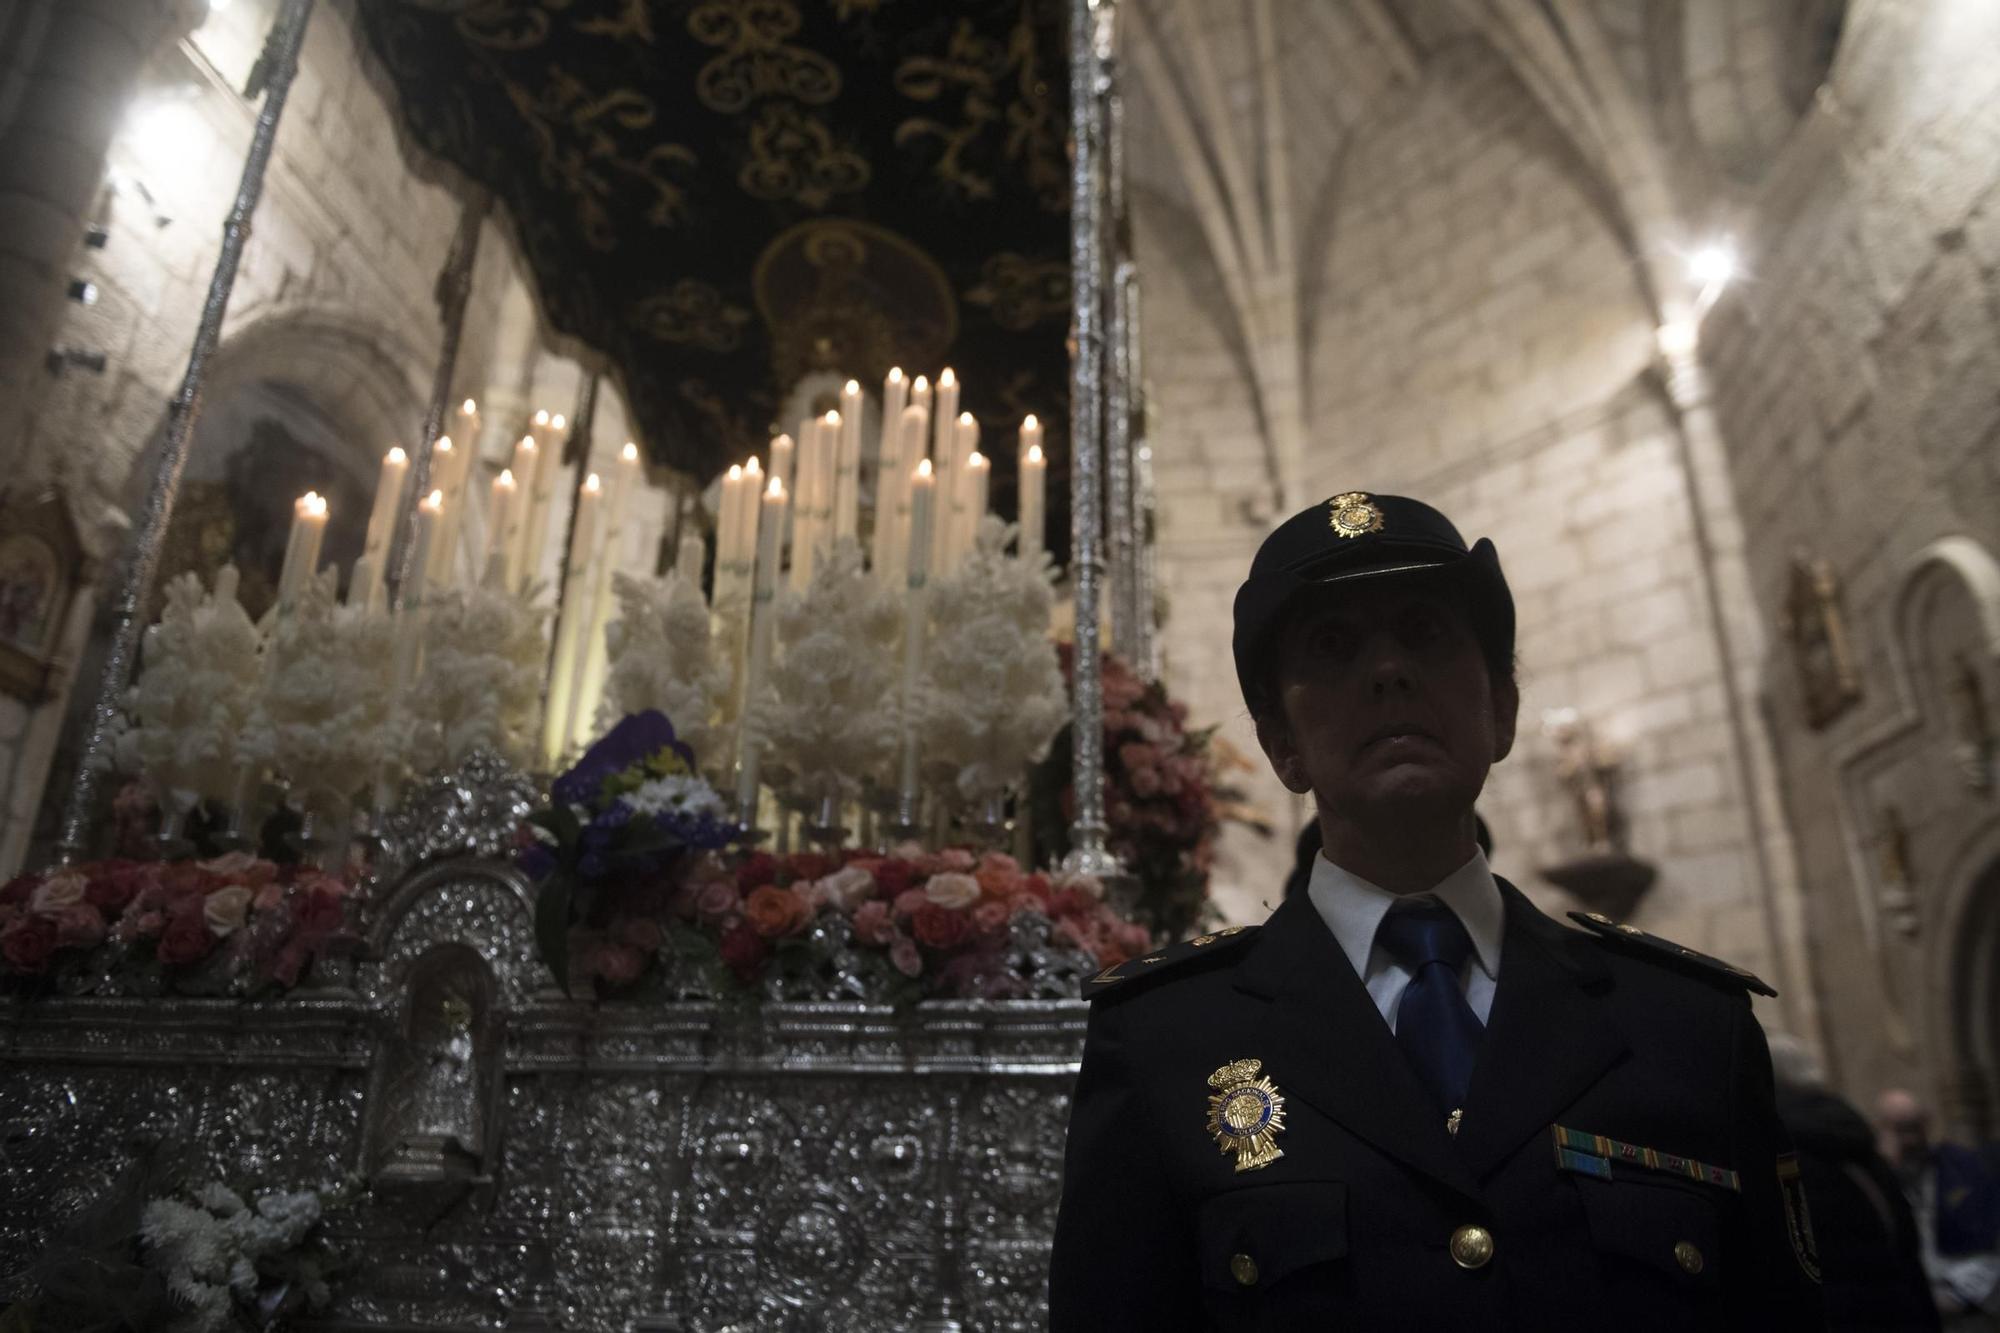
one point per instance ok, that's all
(1854, 378)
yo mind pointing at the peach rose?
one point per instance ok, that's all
(846, 888)
(225, 910)
(774, 912)
(952, 889)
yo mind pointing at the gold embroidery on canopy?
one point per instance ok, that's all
(756, 61)
(793, 156)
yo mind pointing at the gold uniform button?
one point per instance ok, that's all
(1688, 1255)
(1472, 1247)
(1244, 1269)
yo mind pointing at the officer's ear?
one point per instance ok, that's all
(1274, 733)
(1506, 712)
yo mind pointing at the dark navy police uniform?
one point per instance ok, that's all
(1250, 1148)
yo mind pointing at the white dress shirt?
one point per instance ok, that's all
(1353, 908)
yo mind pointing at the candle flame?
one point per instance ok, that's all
(946, 379)
(469, 407)
(506, 478)
(630, 453)
(852, 389)
(831, 418)
(976, 460)
(558, 421)
(753, 468)
(895, 374)
(542, 418)
(592, 485)
(396, 455)
(784, 440)
(1028, 422)
(1034, 453)
(776, 490)
(434, 502)
(527, 442)
(924, 470)
(736, 472)
(314, 504)
(965, 419)
(443, 445)
(921, 384)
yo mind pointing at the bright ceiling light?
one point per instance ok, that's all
(165, 133)
(1712, 265)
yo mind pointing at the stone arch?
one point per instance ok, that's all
(1743, 72)
(1962, 1009)
(1973, 565)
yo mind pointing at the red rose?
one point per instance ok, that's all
(810, 865)
(114, 884)
(772, 911)
(743, 952)
(895, 876)
(1037, 885)
(940, 927)
(28, 943)
(78, 926)
(757, 868)
(638, 933)
(181, 877)
(320, 909)
(187, 939)
(19, 889)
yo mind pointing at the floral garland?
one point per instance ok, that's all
(232, 925)
(1159, 797)
(632, 885)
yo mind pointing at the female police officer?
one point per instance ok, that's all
(1410, 1099)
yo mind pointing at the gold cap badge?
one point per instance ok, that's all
(1246, 1114)
(1354, 514)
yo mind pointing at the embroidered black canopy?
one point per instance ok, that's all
(731, 199)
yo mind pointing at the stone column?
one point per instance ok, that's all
(65, 110)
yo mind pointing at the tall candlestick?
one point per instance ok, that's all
(449, 471)
(728, 519)
(1031, 435)
(589, 688)
(746, 526)
(363, 584)
(387, 509)
(922, 489)
(430, 514)
(302, 546)
(541, 496)
(978, 481)
(920, 393)
(781, 460)
(688, 560)
(527, 458)
(764, 618)
(569, 632)
(951, 540)
(499, 529)
(1034, 489)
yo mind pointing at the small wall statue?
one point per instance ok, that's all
(1604, 877)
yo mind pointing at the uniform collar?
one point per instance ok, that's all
(1353, 909)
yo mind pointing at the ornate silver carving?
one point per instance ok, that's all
(281, 63)
(472, 812)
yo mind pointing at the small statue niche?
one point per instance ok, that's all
(1971, 722)
(1605, 877)
(435, 1086)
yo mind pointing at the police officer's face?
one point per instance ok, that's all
(1385, 700)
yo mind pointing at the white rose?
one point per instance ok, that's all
(225, 910)
(62, 889)
(952, 889)
(846, 888)
(1088, 885)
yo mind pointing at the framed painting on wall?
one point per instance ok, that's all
(41, 565)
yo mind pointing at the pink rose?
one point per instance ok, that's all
(268, 897)
(872, 924)
(1087, 885)
(952, 889)
(618, 964)
(990, 916)
(846, 888)
(241, 868)
(956, 858)
(904, 957)
(63, 889)
(149, 924)
(78, 926)
(27, 944)
(940, 927)
(717, 902)
(908, 901)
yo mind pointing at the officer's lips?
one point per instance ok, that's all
(1398, 734)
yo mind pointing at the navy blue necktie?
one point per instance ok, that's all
(1436, 1028)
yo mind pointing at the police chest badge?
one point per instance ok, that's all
(1354, 514)
(1246, 1114)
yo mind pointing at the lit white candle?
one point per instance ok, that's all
(1031, 435)
(954, 519)
(448, 470)
(387, 510)
(526, 462)
(920, 392)
(589, 688)
(945, 412)
(500, 504)
(978, 485)
(847, 467)
(690, 558)
(362, 584)
(746, 500)
(430, 513)
(728, 518)
(781, 460)
(1034, 490)
(302, 546)
(542, 494)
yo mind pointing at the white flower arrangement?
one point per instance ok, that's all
(828, 709)
(479, 687)
(197, 686)
(323, 722)
(661, 654)
(209, 1250)
(993, 700)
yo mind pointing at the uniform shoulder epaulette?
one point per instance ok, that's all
(1164, 960)
(1604, 927)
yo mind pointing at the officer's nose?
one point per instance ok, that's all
(1389, 667)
